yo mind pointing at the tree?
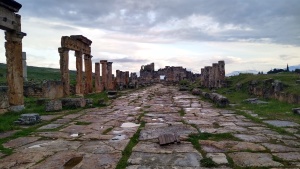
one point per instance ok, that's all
(287, 68)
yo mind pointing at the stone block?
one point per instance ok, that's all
(296, 111)
(41, 101)
(73, 102)
(52, 89)
(4, 104)
(53, 105)
(196, 92)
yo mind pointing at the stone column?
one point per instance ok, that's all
(24, 66)
(126, 78)
(64, 70)
(109, 76)
(104, 73)
(97, 78)
(117, 78)
(88, 73)
(79, 86)
(13, 47)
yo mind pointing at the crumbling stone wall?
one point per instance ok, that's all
(271, 88)
(213, 76)
(173, 74)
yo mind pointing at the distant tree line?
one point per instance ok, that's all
(279, 70)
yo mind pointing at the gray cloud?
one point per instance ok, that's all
(231, 20)
(287, 57)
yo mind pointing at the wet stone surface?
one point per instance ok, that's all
(106, 132)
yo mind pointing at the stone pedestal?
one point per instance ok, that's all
(64, 69)
(24, 66)
(79, 87)
(104, 73)
(88, 73)
(13, 46)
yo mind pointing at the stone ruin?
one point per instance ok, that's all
(10, 22)
(213, 76)
(172, 74)
(81, 46)
(122, 79)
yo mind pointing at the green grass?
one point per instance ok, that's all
(287, 78)
(208, 162)
(107, 130)
(96, 97)
(181, 112)
(82, 123)
(128, 150)
(38, 74)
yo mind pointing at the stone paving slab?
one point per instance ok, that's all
(246, 159)
(50, 126)
(155, 132)
(173, 159)
(18, 142)
(281, 123)
(23, 160)
(7, 134)
(149, 147)
(229, 146)
(290, 156)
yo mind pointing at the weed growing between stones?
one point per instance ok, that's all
(128, 150)
(82, 123)
(181, 112)
(208, 162)
(107, 130)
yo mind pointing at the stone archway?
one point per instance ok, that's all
(81, 46)
(11, 23)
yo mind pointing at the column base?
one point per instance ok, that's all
(16, 108)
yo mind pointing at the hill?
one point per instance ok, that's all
(38, 74)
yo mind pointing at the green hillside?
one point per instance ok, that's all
(287, 78)
(38, 74)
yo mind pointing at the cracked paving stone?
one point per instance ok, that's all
(23, 160)
(225, 146)
(173, 159)
(246, 159)
(279, 148)
(252, 138)
(290, 156)
(18, 142)
(50, 126)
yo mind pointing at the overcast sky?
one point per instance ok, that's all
(248, 35)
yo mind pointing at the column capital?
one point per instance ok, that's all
(109, 63)
(61, 50)
(103, 61)
(87, 56)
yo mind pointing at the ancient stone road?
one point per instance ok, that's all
(100, 140)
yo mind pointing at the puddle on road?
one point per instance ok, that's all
(119, 137)
(129, 124)
(118, 132)
(74, 135)
(72, 162)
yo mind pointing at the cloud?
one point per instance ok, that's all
(287, 57)
(268, 21)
